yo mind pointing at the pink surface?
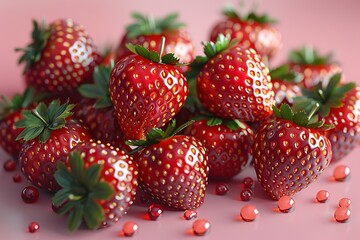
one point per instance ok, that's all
(327, 24)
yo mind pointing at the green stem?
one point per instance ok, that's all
(73, 197)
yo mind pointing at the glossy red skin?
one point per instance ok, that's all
(9, 133)
(345, 136)
(145, 94)
(264, 38)
(313, 74)
(229, 152)
(226, 87)
(166, 174)
(119, 170)
(38, 160)
(177, 42)
(287, 157)
(102, 124)
(285, 92)
(60, 70)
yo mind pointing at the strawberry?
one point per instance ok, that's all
(99, 115)
(10, 113)
(228, 144)
(290, 152)
(147, 90)
(284, 85)
(172, 169)
(147, 31)
(60, 58)
(340, 106)
(49, 133)
(233, 82)
(98, 185)
(253, 30)
(312, 67)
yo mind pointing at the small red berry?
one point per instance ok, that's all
(344, 202)
(17, 178)
(341, 173)
(286, 204)
(30, 194)
(130, 228)
(342, 214)
(221, 189)
(246, 194)
(201, 226)
(248, 182)
(10, 165)
(190, 214)
(33, 227)
(322, 196)
(249, 213)
(154, 211)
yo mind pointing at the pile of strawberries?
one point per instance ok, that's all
(92, 132)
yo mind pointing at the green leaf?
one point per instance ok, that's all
(93, 214)
(286, 112)
(140, 142)
(214, 121)
(324, 110)
(101, 191)
(44, 135)
(234, 124)
(75, 217)
(180, 128)
(170, 59)
(76, 164)
(61, 197)
(333, 82)
(92, 174)
(68, 206)
(301, 119)
(90, 91)
(155, 134)
(63, 176)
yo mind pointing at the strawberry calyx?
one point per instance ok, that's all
(154, 56)
(211, 120)
(147, 25)
(32, 52)
(17, 102)
(284, 74)
(99, 90)
(211, 49)
(81, 192)
(156, 135)
(42, 120)
(308, 55)
(304, 117)
(328, 96)
(230, 12)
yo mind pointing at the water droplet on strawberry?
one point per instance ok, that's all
(30, 194)
(201, 226)
(9, 165)
(154, 211)
(322, 196)
(221, 189)
(249, 213)
(248, 182)
(342, 214)
(341, 173)
(190, 214)
(33, 227)
(286, 204)
(246, 194)
(130, 228)
(344, 202)
(17, 178)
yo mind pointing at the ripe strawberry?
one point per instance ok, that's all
(99, 116)
(253, 30)
(49, 133)
(98, 185)
(340, 106)
(289, 152)
(233, 82)
(172, 169)
(228, 144)
(311, 67)
(284, 85)
(10, 113)
(147, 90)
(61, 57)
(147, 31)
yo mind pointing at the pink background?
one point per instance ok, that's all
(327, 24)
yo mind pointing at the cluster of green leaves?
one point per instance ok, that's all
(284, 73)
(81, 192)
(230, 12)
(17, 102)
(309, 55)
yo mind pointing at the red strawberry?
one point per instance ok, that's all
(311, 67)
(10, 113)
(99, 115)
(173, 169)
(284, 85)
(228, 144)
(147, 90)
(340, 106)
(98, 185)
(253, 30)
(147, 31)
(61, 57)
(289, 152)
(49, 134)
(233, 82)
